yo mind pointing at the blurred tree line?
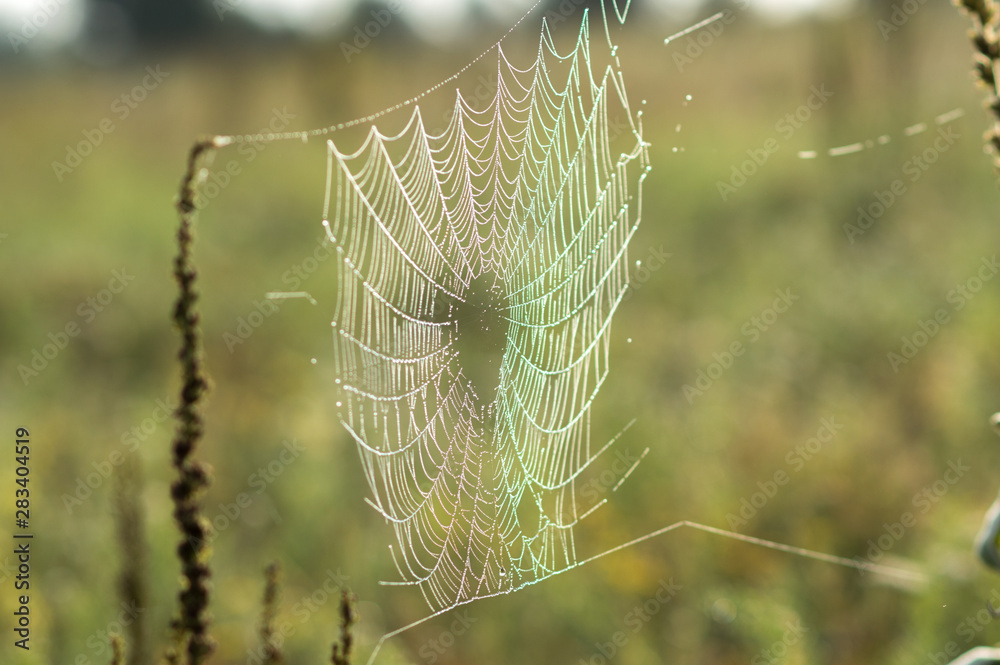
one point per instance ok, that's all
(122, 26)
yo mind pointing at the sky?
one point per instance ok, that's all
(57, 21)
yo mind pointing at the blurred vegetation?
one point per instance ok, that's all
(826, 357)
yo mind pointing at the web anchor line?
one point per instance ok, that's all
(859, 146)
(305, 135)
(863, 566)
(291, 295)
(697, 26)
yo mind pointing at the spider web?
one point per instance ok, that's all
(517, 216)
(479, 269)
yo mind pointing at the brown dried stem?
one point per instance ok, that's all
(133, 583)
(271, 649)
(985, 36)
(348, 617)
(117, 650)
(191, 626)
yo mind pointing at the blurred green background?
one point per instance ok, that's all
(98, 400)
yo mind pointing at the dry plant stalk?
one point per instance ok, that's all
(271, 649)
(191, 626)
(133, 584)
(348, 617)
(192, 643)
(117, 650)
(985, 36)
